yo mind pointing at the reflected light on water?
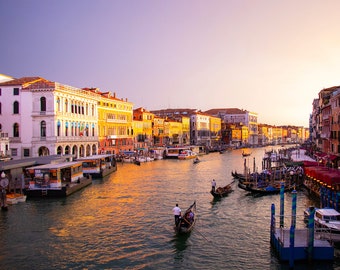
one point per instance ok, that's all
(125, 221)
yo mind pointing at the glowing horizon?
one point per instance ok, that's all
(271, 58)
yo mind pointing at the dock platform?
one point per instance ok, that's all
(321, 250)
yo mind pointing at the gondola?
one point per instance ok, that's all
(187, 223)
(221, 191)
(196, 160)
(238, 175)
(244, 154)
(269, 190)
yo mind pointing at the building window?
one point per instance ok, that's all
(58, 128)
(16, 107)
(0, 92)
(66, 129)
(16, 91)
(16, 130)
(0, 108)
(43, 104)
(43, 129)
(26, 152)
(14, 152)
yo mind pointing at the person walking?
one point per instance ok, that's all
(177, 214)
(213, 185)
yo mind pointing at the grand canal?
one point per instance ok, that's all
(125, 222)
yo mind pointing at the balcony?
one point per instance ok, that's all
(113, 137)
(66, 139)
(14, 140)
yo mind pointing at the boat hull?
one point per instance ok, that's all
(65, 191)
(221, 192)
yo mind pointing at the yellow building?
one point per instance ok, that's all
(215, 130)
(174, 132)
(143, 128)
(158, 131)
(114, 123)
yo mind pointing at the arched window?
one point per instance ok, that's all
(58, 105)
(16, 130)
(66, 105)
(42, 129)
(0, 108)
(58, 128)
(43, 104)
(16, 107)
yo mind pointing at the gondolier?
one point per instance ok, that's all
(213, 185)
(177, 213)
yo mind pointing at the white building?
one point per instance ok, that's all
(200, 129)
(43, 117)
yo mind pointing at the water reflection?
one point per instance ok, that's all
(125, 221)
(180, 242)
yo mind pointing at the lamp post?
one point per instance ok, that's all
(3, 185)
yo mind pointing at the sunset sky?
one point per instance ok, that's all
(268, 57)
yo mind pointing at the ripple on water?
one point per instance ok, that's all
(126, 222)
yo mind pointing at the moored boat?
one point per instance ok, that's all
(328, 218)
(269, 190)
(187, 220)
(244, 154)
(99, 166)
(14, 198)
(56, 180)
(187, 154)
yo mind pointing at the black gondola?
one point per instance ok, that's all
(221, 191)
(187, 220)
(269, 190)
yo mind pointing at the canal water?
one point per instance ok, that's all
(125, 221)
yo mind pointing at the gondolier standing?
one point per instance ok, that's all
(213, 185)
(3, 186)
(177, 213)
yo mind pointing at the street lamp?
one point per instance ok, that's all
(3, 185)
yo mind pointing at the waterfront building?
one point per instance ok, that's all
(185, 120)
(173, 132)
(158, 131)
(200, 129)
(242, 118)
(315, 120)
(47, 118)
(114, 122)
(215, 131)
(234, 134)
(143, 128)
(335, 123)
(325, 127)
(264, 134)
(4, 146)
(276, 135)
(173, 117)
